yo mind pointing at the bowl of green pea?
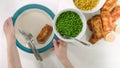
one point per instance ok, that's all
(68, 24)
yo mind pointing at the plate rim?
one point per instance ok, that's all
(19, 12)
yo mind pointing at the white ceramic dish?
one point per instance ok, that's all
(83, 21)
(98, 6)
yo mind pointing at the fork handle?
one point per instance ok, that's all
(39, 57)
(34, 51)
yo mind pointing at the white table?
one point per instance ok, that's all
(101, 55)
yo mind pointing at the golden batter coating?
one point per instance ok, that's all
(97, 26)
(93, 39)
(106, 22)
(100, 25)
(116, 13)
(44, 33)
(109, 5)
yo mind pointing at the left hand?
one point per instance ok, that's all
(9, 31)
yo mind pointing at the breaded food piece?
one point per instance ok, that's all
(44, 33)
(110, 37)
(95, 25)
(109, 5)
(116, 13)
(93, 39)
(107, 24)
(91, 21)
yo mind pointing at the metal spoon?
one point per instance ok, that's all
(80, 41)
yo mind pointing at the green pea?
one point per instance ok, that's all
(69, 23)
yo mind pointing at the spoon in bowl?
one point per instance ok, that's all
(82, 42)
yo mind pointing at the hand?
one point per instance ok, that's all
(9, 31)
(60, 48)
(13, 55)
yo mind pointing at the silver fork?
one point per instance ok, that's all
(33, 46)
(30, 42)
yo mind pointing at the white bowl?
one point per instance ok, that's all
(83, 28)
(98, 6)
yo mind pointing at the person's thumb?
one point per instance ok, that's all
(55, 43)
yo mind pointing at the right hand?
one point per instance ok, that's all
(60, 49)
(61, 52)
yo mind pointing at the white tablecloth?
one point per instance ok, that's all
(101, 55)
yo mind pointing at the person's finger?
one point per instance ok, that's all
(55, 43)
(62, 42)
(11, 22)
(52, 48)
(5, 24)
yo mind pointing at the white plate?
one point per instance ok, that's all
(32, 20)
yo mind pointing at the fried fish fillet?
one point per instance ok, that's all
(107, 24)
(95, 24)
(44, 33)
(116, 13)
(93, 39)
(109, 5)
(100, 25)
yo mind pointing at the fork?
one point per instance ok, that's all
(33, 46)
(30, 42)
